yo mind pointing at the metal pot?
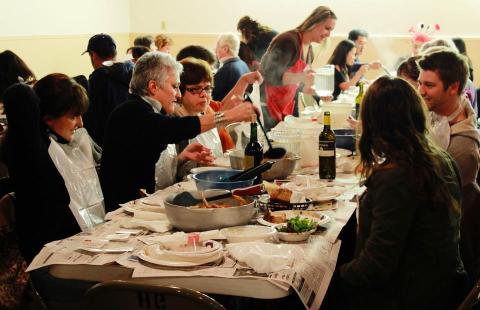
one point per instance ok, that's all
(201, 219)
(281, 169)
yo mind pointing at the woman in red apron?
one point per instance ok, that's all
(284, 66)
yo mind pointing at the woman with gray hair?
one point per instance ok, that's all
(289, 54)
(140, 129)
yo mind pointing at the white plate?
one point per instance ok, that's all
(322, 193)
(248, 233)
(190, 251)
(321, 219)
(343, 152)
(117, 237)
(164, 259)
(108, 250)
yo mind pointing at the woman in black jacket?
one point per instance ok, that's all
(407, 254)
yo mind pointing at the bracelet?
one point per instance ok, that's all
(219, 118)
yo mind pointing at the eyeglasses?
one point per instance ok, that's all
(198, 90)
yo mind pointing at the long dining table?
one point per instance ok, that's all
(309, 277)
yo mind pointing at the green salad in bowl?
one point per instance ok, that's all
(297, 224)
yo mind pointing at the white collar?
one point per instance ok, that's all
(156, 105)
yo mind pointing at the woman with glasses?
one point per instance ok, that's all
(196, 84)
(196, 87)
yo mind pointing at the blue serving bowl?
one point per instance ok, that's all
(345, 138)
(213, 180)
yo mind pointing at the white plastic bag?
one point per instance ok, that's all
(166, 168)
(74, 162)
(211, 140)
(262, 257)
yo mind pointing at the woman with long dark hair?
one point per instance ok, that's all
(257, 38)
(343, 58)
(407, 254)
(13, 70)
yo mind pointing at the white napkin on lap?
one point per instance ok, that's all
(156, 226)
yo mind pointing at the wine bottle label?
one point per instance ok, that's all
(248, 162)
(326, 148)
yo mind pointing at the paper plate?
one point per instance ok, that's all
(203, 249)
(343, 152)
(321, 219)
(322, 193)
(158, 257)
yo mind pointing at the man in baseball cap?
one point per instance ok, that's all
(107, 85)
(103, 45)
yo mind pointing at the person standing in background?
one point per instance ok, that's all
(163, 43)
(360, 38)
(231, 66)
(146, 41)
(343, 58)
(197, 51)
(285, 64)
(462, 49)
(257, 38)
(107, 85)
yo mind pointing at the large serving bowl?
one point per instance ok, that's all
(345, 138)
(217, 179)
(201, 219)
(281, 169)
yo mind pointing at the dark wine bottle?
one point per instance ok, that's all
(326, 150)
(253, 150)
(358, 100)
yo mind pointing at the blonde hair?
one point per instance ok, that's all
(320, 14)
(162, 40)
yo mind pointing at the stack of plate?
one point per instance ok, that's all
(182, 255)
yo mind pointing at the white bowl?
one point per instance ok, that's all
(248, 233)
(294, 237)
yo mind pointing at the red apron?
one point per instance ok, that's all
(281, 99)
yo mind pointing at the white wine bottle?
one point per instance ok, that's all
(326, 150)
(358, 100)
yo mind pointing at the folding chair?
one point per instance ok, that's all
(121, 295)
(472, 300)
(469, 232)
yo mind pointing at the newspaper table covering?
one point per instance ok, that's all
(109, 243)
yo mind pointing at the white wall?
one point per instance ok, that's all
(379, 17)
(63, 17)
